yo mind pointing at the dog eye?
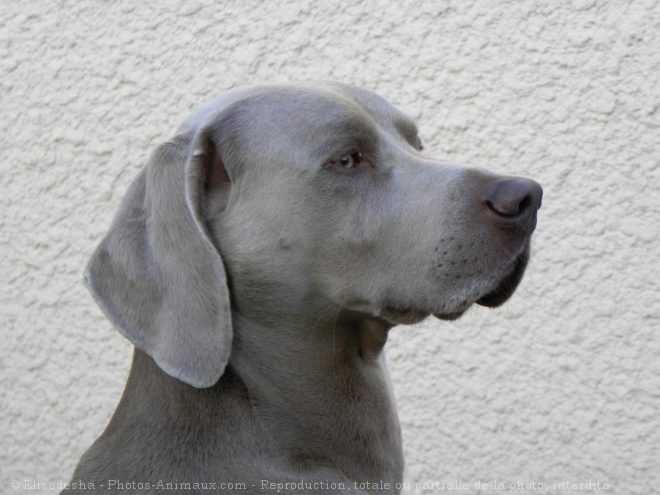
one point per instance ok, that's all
(350, 160)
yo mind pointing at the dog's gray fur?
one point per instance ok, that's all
(258, 274)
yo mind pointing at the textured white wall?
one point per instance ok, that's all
(560, 385)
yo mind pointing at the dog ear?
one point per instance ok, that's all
(157, 275)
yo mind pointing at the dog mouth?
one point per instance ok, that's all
(504, 289)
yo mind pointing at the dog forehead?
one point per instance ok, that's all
(315, 102)
(344, 101)
(297, 109)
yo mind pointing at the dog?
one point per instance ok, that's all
(258, 262)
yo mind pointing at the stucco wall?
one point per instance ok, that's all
(560, 385)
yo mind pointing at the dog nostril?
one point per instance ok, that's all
(509, 209)
(511, 198)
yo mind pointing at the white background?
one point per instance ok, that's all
(562, 384)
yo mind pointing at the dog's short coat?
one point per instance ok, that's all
(257, 264)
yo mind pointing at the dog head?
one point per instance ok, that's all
(272, 199)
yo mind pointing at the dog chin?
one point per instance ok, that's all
(449, 316)
(402, 316)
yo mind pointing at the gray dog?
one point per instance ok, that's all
(257, 264)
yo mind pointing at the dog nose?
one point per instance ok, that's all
(515, 202)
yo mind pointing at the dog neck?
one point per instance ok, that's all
(302, 395)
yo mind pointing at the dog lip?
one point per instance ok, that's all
(507, 285)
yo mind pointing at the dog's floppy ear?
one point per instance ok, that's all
(157, 275)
